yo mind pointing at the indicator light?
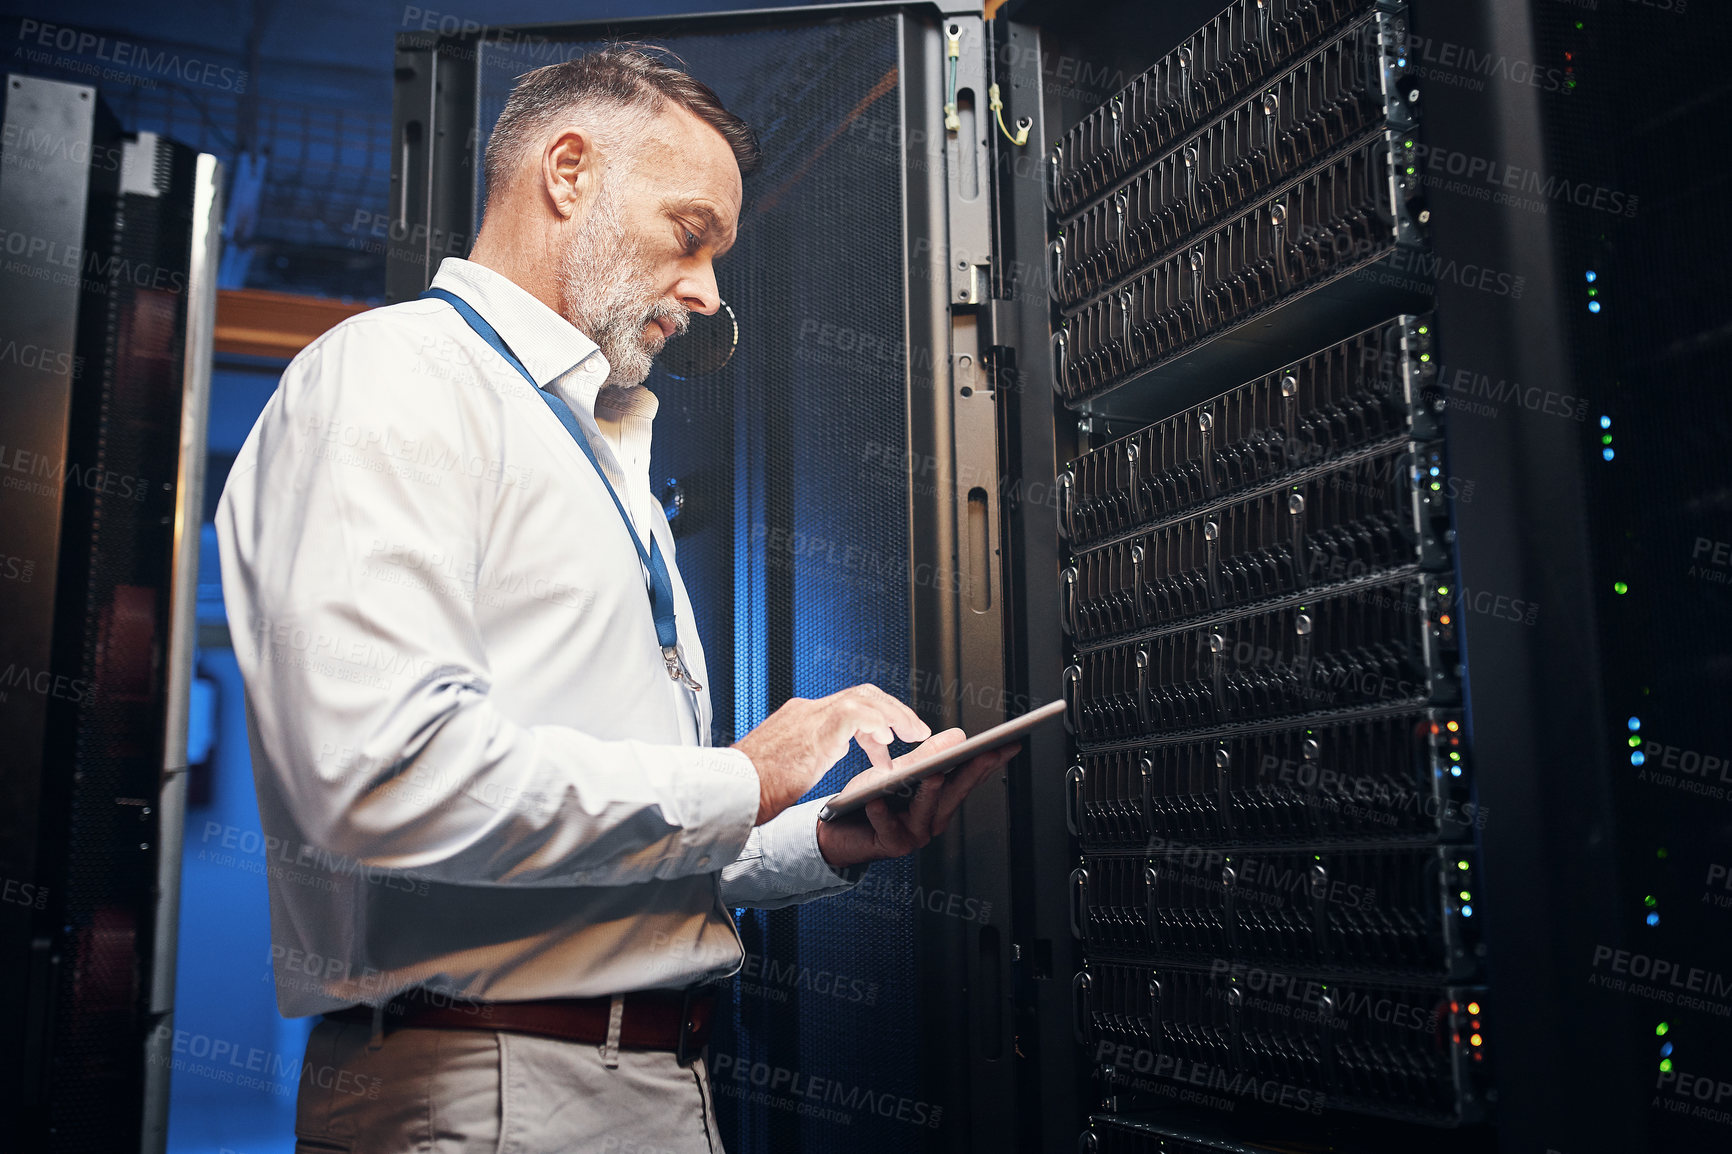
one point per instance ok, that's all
(1435, 470)
(1461, 865)
(1606, 439)
(1454, 726)
(1608, 454)
(1593, 276)
(1473, 1007)
(1437, 486)
(1593, 306)
(1475, 1040)
(1663, 1029)
(1650, 901)
(1467, 897)
(1635, 723)
(1620, 587)
(1635, 741)
(1455, 1008)
(1638, 757)
(1455, 771)
(1444, 620)
(1605, 422)
(1653, 919)
(1665, 1065)
(1425, 358)
(1665, 1049)
(1423, 329)
(1467, 911)
(1443, 590)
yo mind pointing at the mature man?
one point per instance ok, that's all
(474, 685)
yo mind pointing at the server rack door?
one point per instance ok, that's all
(835, 495)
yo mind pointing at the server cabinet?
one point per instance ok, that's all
(109, 303)
(1254, 378)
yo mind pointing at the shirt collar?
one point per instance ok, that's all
(548, 345)
(562, 359)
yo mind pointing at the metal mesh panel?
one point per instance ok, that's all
(794, 544)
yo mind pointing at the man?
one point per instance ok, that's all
(475, 689)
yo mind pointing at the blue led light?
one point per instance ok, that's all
(1401, 62)
(1467, 911)
(1666, 1050)
(1653, 919)
(1605, 422)
(1593, 306)
(1635, 724)
(1435, 470)
(1455, 771)
(1607, 454)
(1593, 276)
(1638, 757)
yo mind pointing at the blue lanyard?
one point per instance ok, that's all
(661, 588)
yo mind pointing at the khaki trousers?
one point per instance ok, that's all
(489, 1092)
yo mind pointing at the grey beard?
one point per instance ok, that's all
(609, 295)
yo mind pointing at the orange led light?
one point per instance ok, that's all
(1456, 1038)
(1434, 729)
(1454, 725)
(1444, 619)
(1473, 1007)
(1455, 1007)
(1475, 1040)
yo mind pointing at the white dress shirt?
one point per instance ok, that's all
(474, 773)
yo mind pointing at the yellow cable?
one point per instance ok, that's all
(1022, 126)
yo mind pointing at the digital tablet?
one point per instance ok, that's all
(903, 781)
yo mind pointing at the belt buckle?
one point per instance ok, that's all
(682, 1044)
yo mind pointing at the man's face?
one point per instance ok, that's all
(640, 262)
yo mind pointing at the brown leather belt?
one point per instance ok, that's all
(673, 1020)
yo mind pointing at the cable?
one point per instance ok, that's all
(953, 38)
(1023, 124)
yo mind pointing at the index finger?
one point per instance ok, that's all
(901, 718)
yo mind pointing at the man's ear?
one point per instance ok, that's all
(571, 171)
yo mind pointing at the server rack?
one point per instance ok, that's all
(1333, 846)
(110, 290)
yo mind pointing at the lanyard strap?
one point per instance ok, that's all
(661, 587)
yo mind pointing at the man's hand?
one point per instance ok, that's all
(799, 742)
(881, 832)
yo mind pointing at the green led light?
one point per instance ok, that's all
(1662, 1029)
(1460, 865)
(1465, 896)
(1437, 486)
(1593, 292)
(1580, 26)
(1443, 590)
(1635, 741)
(1425, 358)
(1660, 853)
(1650, 901)
(1620, 588)
(1410, 170)
(1423, 329)
(1606, 440)
(1407, 144)
(1665, 1065)
(1454, 756)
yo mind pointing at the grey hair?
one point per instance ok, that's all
(624, 85)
